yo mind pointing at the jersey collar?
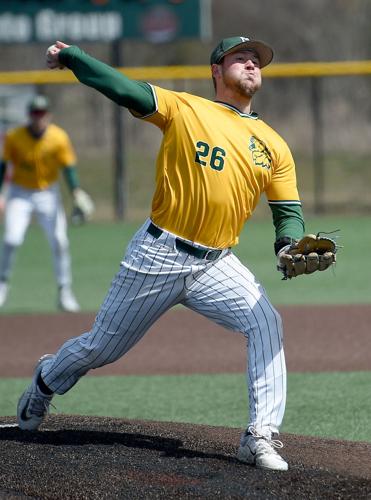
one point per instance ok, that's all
(252, 114)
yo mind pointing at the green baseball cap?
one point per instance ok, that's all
(236, 43)
(39, 103)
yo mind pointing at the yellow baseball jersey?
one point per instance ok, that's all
(213, 165)
(36, 161)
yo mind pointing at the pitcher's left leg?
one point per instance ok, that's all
(226, 292)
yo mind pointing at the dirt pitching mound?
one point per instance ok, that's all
(95, 458)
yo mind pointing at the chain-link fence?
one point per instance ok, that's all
(325, 120)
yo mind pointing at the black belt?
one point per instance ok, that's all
(186, 247)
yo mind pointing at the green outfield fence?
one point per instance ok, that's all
(322, 109)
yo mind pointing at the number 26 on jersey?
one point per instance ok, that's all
(207, 156)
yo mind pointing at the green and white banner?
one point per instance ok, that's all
(156, 21)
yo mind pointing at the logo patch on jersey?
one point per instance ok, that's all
(260, 153)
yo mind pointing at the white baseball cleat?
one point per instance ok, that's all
(4, 289)
(66, 300)
(33, 405)
(259, 450)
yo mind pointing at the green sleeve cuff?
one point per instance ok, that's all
(71, 177)
(288, 222)
(134, 95)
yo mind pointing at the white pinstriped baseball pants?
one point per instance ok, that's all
(155, 276)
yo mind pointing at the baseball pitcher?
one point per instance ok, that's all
(216, 160)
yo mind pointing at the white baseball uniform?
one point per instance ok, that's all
(36, 164)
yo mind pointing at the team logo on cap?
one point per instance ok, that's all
(244, 39)
(260, 153)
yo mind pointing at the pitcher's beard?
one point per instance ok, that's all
(245, 89)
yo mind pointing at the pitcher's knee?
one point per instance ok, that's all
(274, 324)
(267, 323)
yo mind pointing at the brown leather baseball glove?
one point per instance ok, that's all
(309, 254)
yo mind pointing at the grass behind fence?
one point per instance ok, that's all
(345, 179)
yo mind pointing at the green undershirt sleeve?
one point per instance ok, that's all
(131, 94)
(288, 222)
(71, 177)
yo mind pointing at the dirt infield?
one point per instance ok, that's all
(76, 457)
(322, 338)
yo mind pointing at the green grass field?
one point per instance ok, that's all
(98, 248)
(322, 404)
(335, 405)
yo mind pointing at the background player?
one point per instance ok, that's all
(215, 161)
(37, 152)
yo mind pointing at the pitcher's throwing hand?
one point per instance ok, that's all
(52, 55)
